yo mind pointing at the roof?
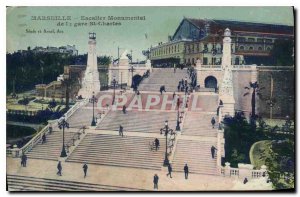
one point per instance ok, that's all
(218, 26)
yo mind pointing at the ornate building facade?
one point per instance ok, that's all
(202, 39)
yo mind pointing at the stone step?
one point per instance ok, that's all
(43, 184)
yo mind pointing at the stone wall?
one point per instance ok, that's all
(283, 91)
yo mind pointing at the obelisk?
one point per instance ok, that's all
(90, 82)
(226, 89)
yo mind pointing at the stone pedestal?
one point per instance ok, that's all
(227, 169)
(148, 65)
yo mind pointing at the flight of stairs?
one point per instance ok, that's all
(115, 150)
(27, 183)
(163, 76)
(199, 124)
(197, 155)
(52, 148)
(138, 121)
(82, 117)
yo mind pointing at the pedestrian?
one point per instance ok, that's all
(121, 130)
(213, 122)
(221, 102)
(174, 95)
(124, 109)
(212, 150)
(186, 171)
(24, 160)
(50, 129)
(156, 142)
(155, 181)
(178, 87)
(245, 180)
(169, 170)
(59, 168)
(85, 167)
(43, 138)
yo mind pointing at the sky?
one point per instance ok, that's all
(135, 35)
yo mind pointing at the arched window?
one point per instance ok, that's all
(259, 48)
(250, 48)
(242, 48)
(268, 48)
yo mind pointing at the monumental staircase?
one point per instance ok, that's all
(27, 183)
(137, 121)
(115, 150)
(163, 76)
(52, 148)
(197, 155)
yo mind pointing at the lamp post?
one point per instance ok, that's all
(62, 125)
(178, 126)
(114, 86)
(166, 130)
(93, 100)
(131, 69)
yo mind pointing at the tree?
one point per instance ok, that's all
(282, 52)
(255, 91)
(52, 104)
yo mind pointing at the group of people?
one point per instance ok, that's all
(183, 86)
(170, 169)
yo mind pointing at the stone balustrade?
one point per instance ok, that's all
(17, 152)
(243, 171)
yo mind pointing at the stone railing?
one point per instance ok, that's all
(243, 171)
(17, 152)
(211, 66)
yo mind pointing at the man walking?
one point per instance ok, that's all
(85, 167)
(213, 122)
(23, 160)
(59, 168)
(124, 109)
(156, 142)
(155, 181)
(170, 170)
(186, 171)
(43, 138)
(213, 150)
(121, 130)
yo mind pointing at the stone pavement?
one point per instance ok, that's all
(129, 177)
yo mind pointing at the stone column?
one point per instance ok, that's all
(148, 65)
(123, 68)
(198, 69)
(227, 169)
(226, 89)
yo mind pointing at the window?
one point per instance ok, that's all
(213, 61)
(250, 48)
(241, 39)
(205, 47)
(205, 61)
(175, 48)
(242, 48)
(260, 40)
(251, 40)
(268, 40)
(268, 48)
(259, 48)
